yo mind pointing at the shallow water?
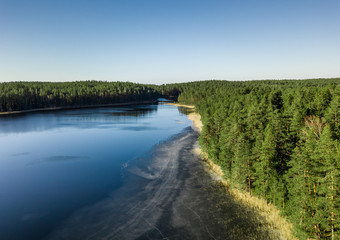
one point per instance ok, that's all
(113, 173)
(167, 194)
(54, 164)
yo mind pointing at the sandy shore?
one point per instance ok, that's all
(269, 213)
(193, 116)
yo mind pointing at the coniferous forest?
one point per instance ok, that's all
(18, 96)
(278, 140)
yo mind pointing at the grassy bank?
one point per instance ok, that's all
(272, 220)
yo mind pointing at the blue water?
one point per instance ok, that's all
(54, 163)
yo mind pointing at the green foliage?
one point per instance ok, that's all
(16, 96)
(278, 140)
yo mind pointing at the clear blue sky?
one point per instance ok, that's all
(160, 41)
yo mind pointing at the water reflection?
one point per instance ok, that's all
(53, 163)
(20, 154)
(185, 110)
(58, 159)
(81, 118)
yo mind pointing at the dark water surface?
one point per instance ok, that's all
(112, 173)
(53, 164)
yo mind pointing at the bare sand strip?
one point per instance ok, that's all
(271, 215)
(193, 116)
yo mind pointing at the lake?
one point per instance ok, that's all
(54, 163)
(113, 173)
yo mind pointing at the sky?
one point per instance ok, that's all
(167, 41)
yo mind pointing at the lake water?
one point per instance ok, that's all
(113, 173)
(54, 164)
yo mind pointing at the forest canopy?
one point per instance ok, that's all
(279, 140)
(18, 96)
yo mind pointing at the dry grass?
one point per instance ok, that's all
(270, 213)
(196, 119)
(181, 105)
(273, 220)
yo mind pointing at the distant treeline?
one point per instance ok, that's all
(17, 96)
(279, 140)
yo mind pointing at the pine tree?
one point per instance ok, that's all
(241, 167)
(300, 184)
(264, 176)
(332, 114)
(326, 168)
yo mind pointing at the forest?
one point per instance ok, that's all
(19, 96)
(276, 139)
(279, 140)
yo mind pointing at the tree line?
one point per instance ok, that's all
(18, 96)
(279, 140)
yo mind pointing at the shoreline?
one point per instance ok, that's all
(193, 116)
(272, 218)
(76, 107)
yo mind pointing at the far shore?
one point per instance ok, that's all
(77, 107)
